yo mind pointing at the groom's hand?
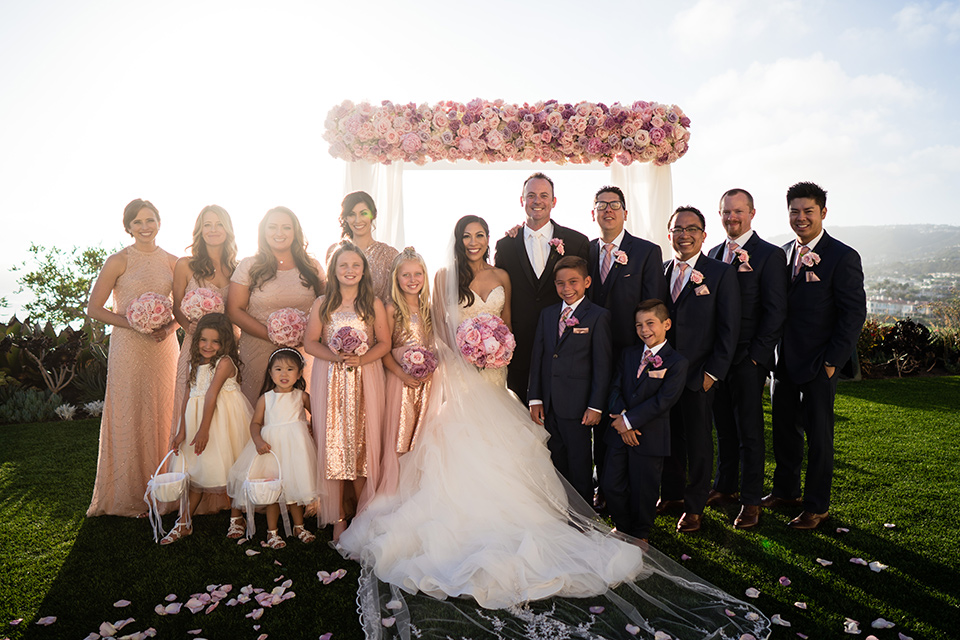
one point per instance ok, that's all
(536, 413)
(590, 418)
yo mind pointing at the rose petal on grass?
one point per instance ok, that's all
(877, 567)
(107, 629)
(752, 616)
(159, 610)
(729, 613)
(785, 581)
(684, 557)
(880, 623)
(661, 635)
(256, 627)
(16, 622)
(802, 636)
(255, 614)
(172, 608)
(46, 621)
(211, 608)
(748, 636)
(195, 632)
(752, 593)
(262, 636)
(597, 610)
(278, 578)
(825, 563)
(871, 637)
(171, 597)
(93, 635)
(394, 605)
(277, 562)
(286, 584)
(800, 605)
(388, 622)
(889, 525)
(776, 619)
(212, 587)
(149, 632)
(843, 530)
(851, 626)
(288, 595)
(120, 624)
(252, 552)
(121, 603)
(902, 636)
(632, 629)
(859, 561)
(326, 636)
(242, 540)
(194, 605)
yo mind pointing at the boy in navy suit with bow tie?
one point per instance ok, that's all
(570, 373)
(649, 380)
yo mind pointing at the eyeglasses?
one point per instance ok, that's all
(691, 230)
(602, 206)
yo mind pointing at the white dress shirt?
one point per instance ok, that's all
(652, 351)
(530, 239)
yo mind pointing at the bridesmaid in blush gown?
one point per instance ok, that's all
(141, 369)
(211, 263)
(281, 275)
(358, 219)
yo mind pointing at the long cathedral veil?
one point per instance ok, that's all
(399, 597)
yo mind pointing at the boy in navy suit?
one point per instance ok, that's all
(650, 379)
(570, 373)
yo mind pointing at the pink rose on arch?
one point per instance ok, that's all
(411, 143)
(466, 145)
(642, 138)
(657, 135)
(392, 137)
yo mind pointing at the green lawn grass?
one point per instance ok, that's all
(898, 461)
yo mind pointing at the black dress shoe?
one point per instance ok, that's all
(689, 522)
(748, 518)
(772, 502)
(717, 498)
(664, 506)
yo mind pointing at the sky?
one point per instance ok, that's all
(193, 103)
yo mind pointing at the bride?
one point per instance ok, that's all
(484, 539)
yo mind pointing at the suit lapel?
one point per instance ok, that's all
(521, 249)
(717, 252)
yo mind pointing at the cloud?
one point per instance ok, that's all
(710, 24)
(921, 23)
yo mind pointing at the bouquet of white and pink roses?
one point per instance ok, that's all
(150, 311)
(349, 341)
(418, 362)
(200, 302)
(485, 341)
(286, 326)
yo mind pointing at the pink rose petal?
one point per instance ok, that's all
(800, 605)
(171, 597)
(684, 557)
(394, 605)
(262, 636)
(277, 562)
(859, 561)
(107, 629)
(256, 627)
(825, 563)
(120, 624)
(889, 525)
(255, 614)
(802, 636)
(93, 635)
(596, 610)
(172, 608)
(748, 636)
(121, 603)
(776, 619)
(880, 623)
(278, 578)
(211, 608)
(785, 581)
(752, 616)
(752, 593)
(902, 636)
(195, 632)
(159, 610)
(877, 567)
(843, 530)
(632, 629)
(326, 636)
(851, 626)
(16, 622)
(251, 552)
(872, 637)
(46, 621)
(729, 613)
(388, 622)
(661, 635)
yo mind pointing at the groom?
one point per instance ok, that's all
(529, 259)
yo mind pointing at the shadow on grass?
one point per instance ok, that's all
(927, 393)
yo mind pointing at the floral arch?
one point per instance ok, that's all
(637, 143)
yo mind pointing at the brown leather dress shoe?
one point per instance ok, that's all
(748, 518)
(689, 522)
(807, 520)
(668, 505)
(772, 502)
(717, 498)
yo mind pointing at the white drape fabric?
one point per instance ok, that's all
(385, 184)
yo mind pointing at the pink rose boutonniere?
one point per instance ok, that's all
(557, 244)
(696, 277)
(620, 257)
(571, 321)
(810, 259)
(744, 259)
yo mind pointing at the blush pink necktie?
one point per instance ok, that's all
(731, 251)
(563, 320)
(678, 283)
(606, 262)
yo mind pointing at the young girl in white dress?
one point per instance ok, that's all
(213, 419)
(280, 425)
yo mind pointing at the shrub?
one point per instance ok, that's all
(24, 405)
(911, 347)
(874, 359)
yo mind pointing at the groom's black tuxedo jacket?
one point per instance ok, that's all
(626, 285)
(705, 327)
(647, 401)
(531, 295)
(763, 299)
(570, 373)
(826, 311)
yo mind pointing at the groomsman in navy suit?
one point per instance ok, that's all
(704, 303)
(649, 381)
(738, 404)
(624, 270)
(570, 373)
(826, 308)
(529, 258)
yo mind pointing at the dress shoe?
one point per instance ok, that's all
(748, 518)
(664, 506)
(807, 520)
(717, 497)
(772, 502)
(689, 522)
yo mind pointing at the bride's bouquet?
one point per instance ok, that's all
(150, 311)
(286, 327)
(200, 302)
(349, 341)
(418, 362)
(485, 341)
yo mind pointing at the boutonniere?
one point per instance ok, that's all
(557, 244)
(744, 259)
(649, 361)
(620, 257)
(571, 321)
(696, 277)
(809, 259)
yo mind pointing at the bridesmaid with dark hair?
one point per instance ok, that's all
(281, 274)
(141, 368)
(358, 219)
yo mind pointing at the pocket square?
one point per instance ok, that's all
(656, 373)
(581, 329)
(744, 267)
(812, 277)
(702, 290)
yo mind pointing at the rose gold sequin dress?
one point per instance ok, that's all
(138, 408)
(405, 408)
(380, 257)
(285, 290)
(347, 410)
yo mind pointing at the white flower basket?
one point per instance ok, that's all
(166, 487)
(262, 492)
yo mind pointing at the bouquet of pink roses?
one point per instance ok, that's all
(200, 302)
(418, 362)
(485, 341)
(286, 326)
(150, 311)
(349, 341)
